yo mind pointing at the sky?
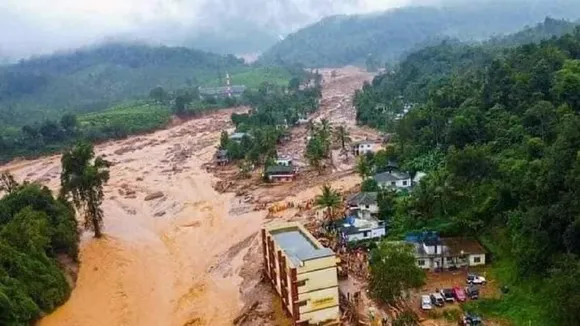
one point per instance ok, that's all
(32, 27)
(36, 27)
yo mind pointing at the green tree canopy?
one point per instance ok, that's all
(393, 270)
(82, 179)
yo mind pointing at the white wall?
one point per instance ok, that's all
(431, 249)
(473, 257)
(426, 263)
(367, 148)
(371, 234)
(400, 184)
(366, 212)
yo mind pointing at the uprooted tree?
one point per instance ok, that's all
(82, 180)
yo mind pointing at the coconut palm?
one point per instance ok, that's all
(364, 167)
(342, 135)
(329, 199)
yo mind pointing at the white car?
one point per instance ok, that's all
(426, 302)
(475, 279)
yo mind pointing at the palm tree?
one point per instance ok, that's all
(329, 199)
(82, 178)
(325, 134)
(342, 135)
(363, 167)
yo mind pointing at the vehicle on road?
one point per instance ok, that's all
(472, 292)
(475, 279)
(459, 294)
(448, 295)
(426, 302)
(437, 299)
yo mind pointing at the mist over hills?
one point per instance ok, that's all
(349, 39)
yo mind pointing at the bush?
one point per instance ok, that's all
(34, 228)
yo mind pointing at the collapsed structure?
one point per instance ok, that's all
(303, 272)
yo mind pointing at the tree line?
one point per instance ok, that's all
(273, 110)
(499, 135)
(38, 229)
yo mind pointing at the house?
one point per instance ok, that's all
(365, 146)
(238, 136)
(221, 157)
(303, 273)
(284, 161)
(363, 204)
(221, 91)
(433, 252)
(280, 173)
(394, 179)
(356, 229)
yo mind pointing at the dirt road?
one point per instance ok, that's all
(183, 258)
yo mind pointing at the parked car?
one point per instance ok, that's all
(426, 302)
(475, 279)
(472, 292)
(448, 295)
(459, 294)
(437, 299)
(470, 320)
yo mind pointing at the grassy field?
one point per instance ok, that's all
(524, 304)
(134, 117)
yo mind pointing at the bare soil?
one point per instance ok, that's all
(188, 255)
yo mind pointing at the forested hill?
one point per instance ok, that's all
(343, 40)
(547, 29)
(498, 132)
(95, 78)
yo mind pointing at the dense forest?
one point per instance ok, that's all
(343, 40)
(498, 132)
(37, 233)
(95, 78)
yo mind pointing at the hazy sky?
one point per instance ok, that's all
(31, 27)
(42, 26)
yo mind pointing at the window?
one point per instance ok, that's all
(302, 303)
(393, 183)
(366, 234)
(421, 262)
(405, 183)
(477, 259)
(367, 206)
(301, 283)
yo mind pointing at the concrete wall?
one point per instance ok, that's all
(318, 297)
(455, 261)
(372, 233)
(399, 184)
(367, 148)
(320, 305)
(318, 279)
(472, 259)
(281, 178)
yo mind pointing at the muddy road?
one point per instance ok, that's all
(187, 256)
